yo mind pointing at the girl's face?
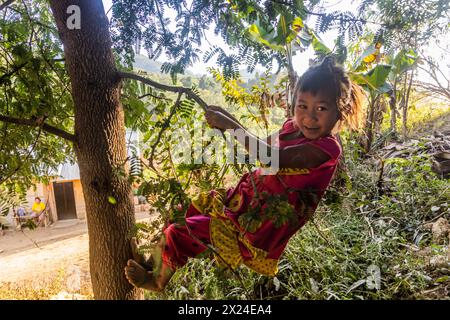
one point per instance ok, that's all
(315, 115)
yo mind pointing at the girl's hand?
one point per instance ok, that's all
(217, 119)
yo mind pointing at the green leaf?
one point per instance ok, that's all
(282, 30)
(378, 75)
(318, 46)
(287, 29)
(404, 60)
(142, 226)
(368, 56)
(385, 88)
(263, 36)
(304, 38)
(112, 200)
(375, 79)
(442, 279)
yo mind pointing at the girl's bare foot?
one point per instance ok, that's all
(139, 277)
(139, 258)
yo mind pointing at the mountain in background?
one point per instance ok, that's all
(144, 63)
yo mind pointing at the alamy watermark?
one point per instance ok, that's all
(74, 279)
(74, 20)
(373, 280)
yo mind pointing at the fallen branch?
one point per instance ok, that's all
(31, 239)
(434, 88)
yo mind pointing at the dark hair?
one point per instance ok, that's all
(37, 198)
(332, 79)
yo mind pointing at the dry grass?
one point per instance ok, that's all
(44, 289)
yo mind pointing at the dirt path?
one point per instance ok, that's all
(17, 241)
(46, 260)
(60, 263)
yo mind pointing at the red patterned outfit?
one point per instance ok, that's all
(213, 217)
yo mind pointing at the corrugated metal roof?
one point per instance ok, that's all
(68, 171)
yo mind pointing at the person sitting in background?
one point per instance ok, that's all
(21, 212)
(38, 210)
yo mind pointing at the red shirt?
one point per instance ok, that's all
(303, 187)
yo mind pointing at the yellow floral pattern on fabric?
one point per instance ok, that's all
(225, 241)
(268, 267)
(225, 236)
(284, 171)
(235, 202)
(292, 171)
(208, 204)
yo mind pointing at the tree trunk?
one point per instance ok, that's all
(393, 107)
(100, 145)
(406, 106)
(292, 82)
(369, 123)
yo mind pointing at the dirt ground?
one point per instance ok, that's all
(56, 257)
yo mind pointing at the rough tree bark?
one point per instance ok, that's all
(406, 105)
(369, 123)
(393, 107)
(100, 145)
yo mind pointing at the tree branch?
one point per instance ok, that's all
(37, 123)
(164, 126)
(14, 70)
(180, 90)
(31, 20)
(440, 86)
(153, 96)
(434, 68)
(437, 89)
(327, 15)
(187, 91)
(5, 4)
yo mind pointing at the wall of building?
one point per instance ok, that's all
(47, 195)
(52, 204)
(40, 190)
(79, 199)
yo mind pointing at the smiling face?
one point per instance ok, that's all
(315, 114)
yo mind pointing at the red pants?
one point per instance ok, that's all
(181, 243)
